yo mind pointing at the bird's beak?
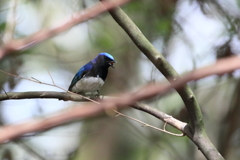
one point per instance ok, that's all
(111, 63)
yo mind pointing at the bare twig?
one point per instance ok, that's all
(161, 115)
(147, 125)
(51, 77)
(36, 79)
(5, 94)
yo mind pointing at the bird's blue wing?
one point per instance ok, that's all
(82, 71)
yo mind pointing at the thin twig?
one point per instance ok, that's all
(5, 93)
(51, 77)
(36, 79)
(148, 125)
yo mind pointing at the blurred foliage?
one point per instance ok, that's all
(190, 33)
(157, 21)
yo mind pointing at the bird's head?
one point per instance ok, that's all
(105, 59)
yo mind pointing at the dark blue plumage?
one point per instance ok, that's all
(91, 76)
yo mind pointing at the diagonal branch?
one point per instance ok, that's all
(160, 63)
(196, 120)
(21, 44)
(122, 101)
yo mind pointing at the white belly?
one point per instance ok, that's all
(88, 84)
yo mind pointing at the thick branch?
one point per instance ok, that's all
(160, 62)
(40, 94)
(188, 97)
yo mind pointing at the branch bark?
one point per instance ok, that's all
(41, 94)
(200, 137)
(160, 63)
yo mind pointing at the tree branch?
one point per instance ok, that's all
(196, 120)
(128, 99)
(72, 97)
(41, 94)
(160, 63)
(181, 126)
(147, 125)
(21, 44)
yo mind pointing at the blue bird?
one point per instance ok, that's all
(91, 77)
